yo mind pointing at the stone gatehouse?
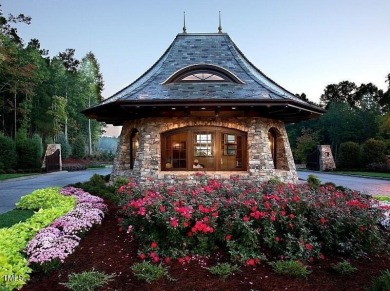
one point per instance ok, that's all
(203, 107)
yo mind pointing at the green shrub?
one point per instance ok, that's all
(120, 181)
(28, 151)
(148, 272)
(381, 283)
(344, 268)
(8, 156)
(223, 270)
(97, 180)
(313, 181)
(373, 151)
(349, 155)
(44, 198)
(290, 268)
(78, 147)
(87, 281)
(65, 147)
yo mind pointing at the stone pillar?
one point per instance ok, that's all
(326, 158)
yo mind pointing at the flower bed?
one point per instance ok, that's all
(54, 243)
(52, 234)
(250, 222)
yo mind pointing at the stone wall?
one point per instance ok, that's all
(148, 158)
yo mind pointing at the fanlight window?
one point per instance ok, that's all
(203, 77)
(203, 73)
(208, 148)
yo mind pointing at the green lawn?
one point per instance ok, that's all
(362, 173)
(11, 176)
(14, 216)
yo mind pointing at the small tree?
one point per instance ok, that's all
(78, 147)
(373, 151)
(306, 143)
(349, 155)
(8, 155)
(65, 147)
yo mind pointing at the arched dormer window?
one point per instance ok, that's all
(203, 73)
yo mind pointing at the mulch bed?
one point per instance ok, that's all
(105, 249)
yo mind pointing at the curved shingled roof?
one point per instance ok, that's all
(197, 50)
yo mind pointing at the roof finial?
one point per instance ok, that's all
(184, 25)
(219, 27)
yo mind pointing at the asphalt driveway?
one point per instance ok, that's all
(371, 186)
(11, 190)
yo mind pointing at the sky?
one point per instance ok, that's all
(303, 45)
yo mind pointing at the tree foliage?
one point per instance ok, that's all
(43, 95)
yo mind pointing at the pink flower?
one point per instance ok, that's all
(174, 222)
(246, 218)
(292, 216)
(156, 259)
(309, 247)
(162, 208)
(142, 256)
(277, 239)
(228, 237)
(251, 262)
(167, 260)
(153, 245)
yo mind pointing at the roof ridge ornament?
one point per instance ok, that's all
(219, 27)
(184, 25)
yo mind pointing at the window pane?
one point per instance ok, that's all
(176, 152)
(231, 148)
(204, 149)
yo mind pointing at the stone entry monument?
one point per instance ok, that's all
(321, 159)
(52, 162)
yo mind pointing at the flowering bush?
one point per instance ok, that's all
(50, 244)
(253, 221)
(54, 243)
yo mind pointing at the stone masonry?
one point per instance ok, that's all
(148, 157)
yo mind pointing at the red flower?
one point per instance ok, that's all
(167, 260)
(309, 247)
(322, 220)
(120, 229)
(292, 216)
(228, 237)
(188, 258)
(181, 260)
(153, 245)
(272, 218)
(251, 262)
(246, 218)
(295, 198)
(277, 239)
(156, 259)
(174, 222)
(142, 256)
(311, 259)
(162, 208)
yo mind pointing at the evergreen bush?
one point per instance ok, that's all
(28, 151)
(78, 148)
(8, 156)
(373, 151)
(65, 147)
(349, 155)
